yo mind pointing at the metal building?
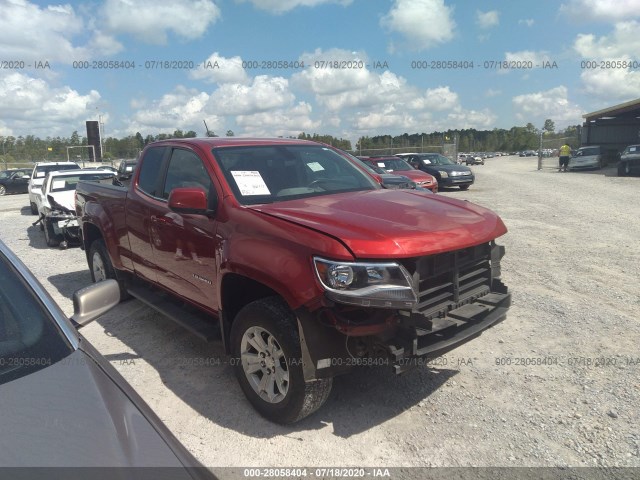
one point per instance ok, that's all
(613, 128)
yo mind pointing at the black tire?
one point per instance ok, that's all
(271, 319)
(34, 208)
(464, 187)
(623, 169)
(3, 190)
(49, 235)
(101, 267)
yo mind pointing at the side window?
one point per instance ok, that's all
(185, 170)
(151, 170)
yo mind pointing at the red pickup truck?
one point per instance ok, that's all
(297, 259)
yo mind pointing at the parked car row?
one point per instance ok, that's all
(446, 172)
(398, 166)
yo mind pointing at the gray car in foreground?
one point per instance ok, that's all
(63, 406)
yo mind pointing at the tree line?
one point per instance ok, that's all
(514, 139)
(30, 148)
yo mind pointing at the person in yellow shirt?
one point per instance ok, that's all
(564, 155)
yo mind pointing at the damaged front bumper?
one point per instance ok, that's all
(403, 342)
(417, 341)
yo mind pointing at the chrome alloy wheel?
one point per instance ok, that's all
(264, 364)
(99, 272)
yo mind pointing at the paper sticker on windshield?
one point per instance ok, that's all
(250, 183)
(315, 167)
(56, 184)
(381, 164)
(129, 169)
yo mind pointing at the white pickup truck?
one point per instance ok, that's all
(55, 203)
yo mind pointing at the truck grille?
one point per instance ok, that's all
(448, 280)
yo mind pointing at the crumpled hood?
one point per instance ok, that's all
(388, 223)
(71, 414)
(65, 198)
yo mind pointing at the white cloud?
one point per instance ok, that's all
(264, 104)
(524, 61)
(601, 10)
(28, 32)
(265, 93)
(281, 6)
(537, 107)
(623, 42)
(487, 19)
(32, 105)
(152, 20)
(331, 81)
(526, 21)
(613, 85)
(371, 101)
(423, 23)
(103, 44)
(360, 88)
(434, 99)
(220, 70)
(182, 108)
(535, 58)
(492, 93)
(460, 118)
(281, 122)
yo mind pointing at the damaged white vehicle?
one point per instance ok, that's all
(55, 203)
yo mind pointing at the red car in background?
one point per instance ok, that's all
(400, 167)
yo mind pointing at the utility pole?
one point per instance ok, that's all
(540, 152)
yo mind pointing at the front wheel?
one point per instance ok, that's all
(622, 169)
(3, 190)
(266, 347)
(101, 267)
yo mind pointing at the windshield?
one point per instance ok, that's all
(61, 183)
(393, 164)
(29, 338)
(436, 159)
(585, 152)
(273, 173)
(42, 170)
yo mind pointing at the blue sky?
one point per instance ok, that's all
(389, 94)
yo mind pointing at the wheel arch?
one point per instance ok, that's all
(236, 291)
(90, 233)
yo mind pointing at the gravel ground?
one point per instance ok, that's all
(556, 384)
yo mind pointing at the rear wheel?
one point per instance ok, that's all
(34, 208)
(101, 267)
(3, 190)
(266, 347)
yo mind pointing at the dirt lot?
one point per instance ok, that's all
(556, 384)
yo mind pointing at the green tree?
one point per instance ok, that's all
(549, 126)
(230, 133)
